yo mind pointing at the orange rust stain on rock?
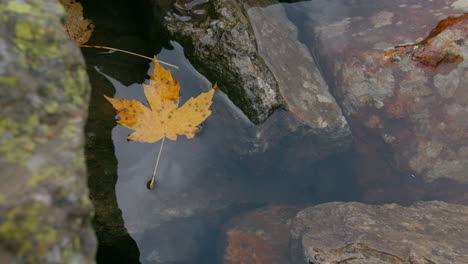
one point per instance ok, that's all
(443, 25)
(400, 106)
(433, 55)
(428, 53)
(374, 122)
(454, 132)
(248, 248)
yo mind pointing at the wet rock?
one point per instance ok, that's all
(299, 80)
(261, 236)
(427, 232)
(44, 205)
(257, 45)
(218, 39)
(252, 50)
(314, 118)
(411, 97)
(203, 182)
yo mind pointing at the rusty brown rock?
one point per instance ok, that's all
(259, 237)
(408, 97)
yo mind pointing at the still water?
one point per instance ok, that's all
(230, 167)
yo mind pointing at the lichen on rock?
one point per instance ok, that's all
(44, 96)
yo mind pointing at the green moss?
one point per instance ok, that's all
(75, 85)
(36, 39)
(36, 35)
(16, 7)
(85, 201)
(8, 80)
(8, 125)
(31, 123)
(70, 249)
(20, 139)
(76, 243)
(70, 131)
(68, 253)
(36, 10)
(26, 231)
(17, 149)
(45, 174)
(51, 108)
(48, 237)
(79, 161)
(51, 88)
(24, 30)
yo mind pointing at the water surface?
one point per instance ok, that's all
(231, 166)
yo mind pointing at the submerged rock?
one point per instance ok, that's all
(410, 98)
(44, 205)
(427, 232)
(253, 51)
(202, 182)
(315, 119)
(261, 236)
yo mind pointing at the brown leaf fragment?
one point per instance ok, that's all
(78, 28)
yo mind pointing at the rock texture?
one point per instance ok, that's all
(44, 205)
(351, 233)
(218, 39)
(399, 85)
(299, 80)
(252, 49)
(261, 236)
(202, 182)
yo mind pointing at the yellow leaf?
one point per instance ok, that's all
(78, 28)
(164, 118)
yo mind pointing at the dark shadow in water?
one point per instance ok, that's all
(116, 25)
(223, 150)
(204, 181)
(115, 245)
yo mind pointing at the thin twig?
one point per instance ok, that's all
(128, 52)
(150, 184)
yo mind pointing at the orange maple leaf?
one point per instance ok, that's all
(164, 118)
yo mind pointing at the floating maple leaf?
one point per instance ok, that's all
(164, 118)
(78, 28)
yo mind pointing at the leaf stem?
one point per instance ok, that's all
(128, 52)
(150, 184)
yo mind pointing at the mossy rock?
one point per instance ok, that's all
(45, 213)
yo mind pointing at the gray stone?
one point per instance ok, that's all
(197, 190)
(427, 232)
(299, 80)
(271, 54)
(218, 39)
(316, 119)
(44, 205)
(392, 84)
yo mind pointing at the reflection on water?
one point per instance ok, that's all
(204, 180)
(232, 166)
